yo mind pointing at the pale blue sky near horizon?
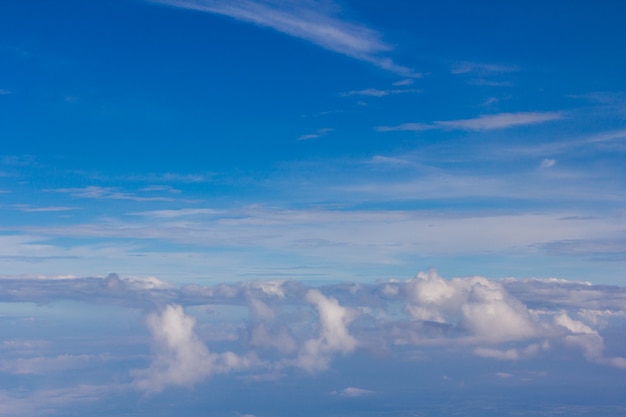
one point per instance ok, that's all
(360, 206)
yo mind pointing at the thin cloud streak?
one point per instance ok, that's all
(105, 193)
(481, 123)
(318, 134)
(374, 92)
(481, 69)
(304, 20)
(606, 140)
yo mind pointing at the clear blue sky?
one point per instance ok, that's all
(316, 142)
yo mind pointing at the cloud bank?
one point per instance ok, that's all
(292, 327)
(181, 358)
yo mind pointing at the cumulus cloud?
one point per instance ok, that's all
(290, 325)
(480, 306)
(587, 339)
(181, 357)
(334, 336)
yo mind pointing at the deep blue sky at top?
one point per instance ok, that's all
(165, 89)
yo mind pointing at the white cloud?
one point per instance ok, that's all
(501, 120)
(406, 81)
(351, 237)
(414, 127)
(318, 134)
(512, 354)
(604, 140)
(173, 214)
(27, 209)
(334, 336)
(547, 163)
(484, 122)
(309, 20)
(482, 307)
(381, 159)
(507, 319)
(181, 357)
(47, 401)
(353, 392)
(480, 68)
(495, 316)
(24, 345)
(374, 92)
(587, 339)
(105, 193)
(42, 365)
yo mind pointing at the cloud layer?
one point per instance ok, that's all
(291, 326)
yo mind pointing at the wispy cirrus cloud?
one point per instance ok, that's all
(484, 122)
(608, 140)
(467, 67)
(105, 193)
(309, 20)
(42, 364)
(48, 209)
(483, 74)
(318, 134)
(375, 92)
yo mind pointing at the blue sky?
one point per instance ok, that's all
(196, 149)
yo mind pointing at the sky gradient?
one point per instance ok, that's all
(339, 202)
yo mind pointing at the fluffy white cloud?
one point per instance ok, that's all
(334, 336)
(587, 339)
(181, 357)
(480, 306)
(291, 325)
